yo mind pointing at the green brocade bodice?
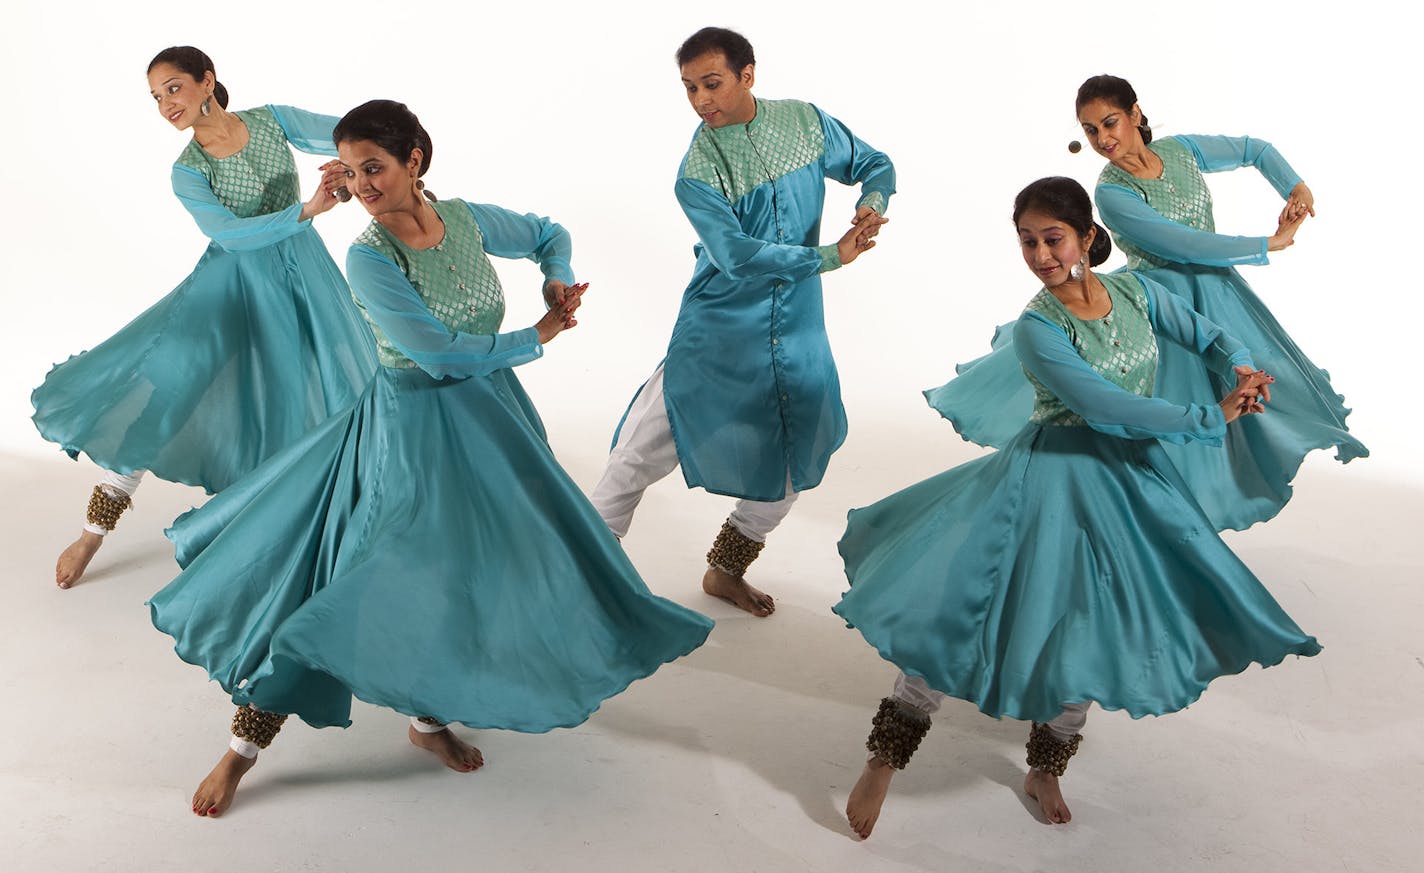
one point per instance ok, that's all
(1179, 194)
(1121, 346)
(261, 178)
(454, 277)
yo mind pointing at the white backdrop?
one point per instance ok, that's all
(575, 110)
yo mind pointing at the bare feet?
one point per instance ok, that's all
(452, 751)
(214, 794)
(74, 560)
(736, 591)
(868, 795)
(1043, 787)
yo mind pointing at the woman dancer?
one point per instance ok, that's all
(424, 551)
(260, 343)
(1072, 566)
(1154, 199)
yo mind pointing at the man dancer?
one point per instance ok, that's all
(747, 399)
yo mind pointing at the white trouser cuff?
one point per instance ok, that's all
(425, 727)
(245, 748)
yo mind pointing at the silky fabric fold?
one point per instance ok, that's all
(426, 553)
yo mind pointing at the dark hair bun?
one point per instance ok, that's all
(1101, 247)
(220, 93)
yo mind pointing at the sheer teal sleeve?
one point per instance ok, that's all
(1047, 353)
(511, 235)
(307, 131)
(850, 161)
(738, 254)
(397, 309)
(1128, 215)
(1173, 318)
(218, 223)
(1217, 153)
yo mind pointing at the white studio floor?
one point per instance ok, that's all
(740, 756)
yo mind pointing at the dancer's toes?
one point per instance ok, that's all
(452, 751)
(215, 793)
(868, 795)
(1044, 788)
(74, 560)
(736, 591)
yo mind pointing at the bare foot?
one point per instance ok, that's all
(736, 591)
(868, 795)
(74, 560)
(1043, 787)
(452, 751)
(214, 794)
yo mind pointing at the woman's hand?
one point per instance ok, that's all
(555, 292)
(1299, 204)
(333, 176)
(861, 236)
(560, 316)
(1250, 396)
(1284, 237)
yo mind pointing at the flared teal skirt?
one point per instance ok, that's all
(423, 552)
(1068, 567)
(250, 352)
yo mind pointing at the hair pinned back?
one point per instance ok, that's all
(1116, 92)
(392, 126)
(1065, 200)
(193, 62)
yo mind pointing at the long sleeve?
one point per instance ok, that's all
(306, 131)
(1047, 353)
(1215, 154)
(218, 223)
(739, 255)
(397, 309)
(849, 161)
(511, 235)
(1127, 214)
(1173, 318)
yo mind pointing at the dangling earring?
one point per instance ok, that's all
(206, 108)
(1078, 270)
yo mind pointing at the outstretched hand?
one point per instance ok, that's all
(1250, 396)
(563, 301)
(861, 236)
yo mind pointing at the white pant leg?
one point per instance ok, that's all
(756, 519)
(1069, 722)
(916, 692)
(115, 484)
(645, 452)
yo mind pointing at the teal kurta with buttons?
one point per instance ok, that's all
(1073, 564)
(258, 345)
(423, 550)
(749, 381)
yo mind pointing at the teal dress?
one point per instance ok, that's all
(1072, 565)
(1166, 229)
(750, 386)
(423, 551)
(260, 343)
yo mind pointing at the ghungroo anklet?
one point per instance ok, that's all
(896, 731)
(1047, 753)
(256, 726)
(106, 507)
(733, 551)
